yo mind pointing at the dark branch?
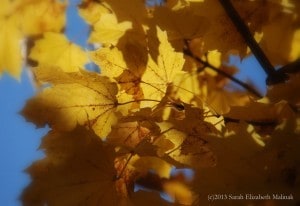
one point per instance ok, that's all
(273, 76)
(208, 65)
(292, 67)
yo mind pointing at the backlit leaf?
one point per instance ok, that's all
(56, 50)
(83, 98)
(160, 74)
(107, 30)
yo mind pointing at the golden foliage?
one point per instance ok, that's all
(23, 19)
(161, 101)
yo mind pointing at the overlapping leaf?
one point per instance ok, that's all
(78, 170)
(107, 30)
(159, 75)
(37, 16)
(83, 98)
(152, 105)
(20, 19)
(56, 50)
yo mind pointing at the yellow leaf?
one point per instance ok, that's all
(179, 192)
(42, 16)
(110, 61)
(194, 153)
(220, 32)
(133, 10)
(163, 145)
(91, 10)
(159, 75)
(7, 8)
(10, 47)
(128, 134)
(56, 50)
(78, 170)
(83, 98)
(221, 100)
(188, 87)
(180, 24)
(126, 66)
(108, 31)
(277, 38)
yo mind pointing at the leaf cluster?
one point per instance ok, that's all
(161, 102)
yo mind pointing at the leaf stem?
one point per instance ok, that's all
(124, 167)
(273, 76)
(237, 81)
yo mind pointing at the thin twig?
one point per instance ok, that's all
(237, 81)
(273, 76)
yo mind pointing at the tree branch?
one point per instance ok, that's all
(292, 67)
(237, 81)
(273, 76)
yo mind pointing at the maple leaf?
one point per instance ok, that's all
(221, 33)
(192, 121)
(175, 23)
(91, 10)
(37, 16)
(158, 76)
(193, 153)
(236, 153)
(107, 30)
(125, 66)
(83, 98)
(78, 170)
(190, 132)
(56, 50)
(134, 11)
(130, 134)
(110, 60)
(277, 36)
(22, 18)
(155, 107)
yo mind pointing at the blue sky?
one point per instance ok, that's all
(21, 139)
